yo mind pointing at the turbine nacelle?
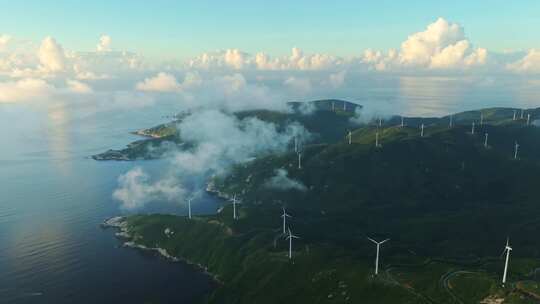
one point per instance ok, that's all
(507, 246)
(378, 243)
(285, 214)
(291, 236)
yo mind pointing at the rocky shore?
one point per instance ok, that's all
(121, 224)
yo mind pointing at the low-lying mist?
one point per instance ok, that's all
(218, 141)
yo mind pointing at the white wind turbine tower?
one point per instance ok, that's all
(295, 144)
(507, 249)
(333, 106)
(189, 207)
(522, 112)
(378, 250)
(528, 119)
(515, 113)
(299, 160)
(422, 130)
(486, 140)
(290, 237)
(235, 216)
(472, 128)
(481, 118)
(377, 139)
(350, 137)
(402, 122)
(344, 105)
(380, 122)
(285, 216)
(451, 124)
(516, 150)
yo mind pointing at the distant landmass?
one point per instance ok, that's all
(162, 137)
(447, 192)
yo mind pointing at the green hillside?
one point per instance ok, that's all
(446, 201)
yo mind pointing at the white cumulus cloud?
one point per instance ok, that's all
(51, 55)
(166, 82)
(442, 45)
(529, 63)
(24, 90)
(162, 82)
(236, 59)
(104, 44)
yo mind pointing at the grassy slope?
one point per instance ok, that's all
(445, 200)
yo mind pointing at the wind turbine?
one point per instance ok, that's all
(350, 137)
(481, 118)
(451, 124)
(290, 237)
(515, 113)
(380, 122)
(402, 122)
(235, 216)
(516, 150)
(284, 216)
(377, 139)
(378, 250)
(344, 105)
(295, 144)
(522, 111)
(486, 140)
(528, 119)
(422, 130)
(333, 106)
(507, 249)
(472, 128)
(189, 207)
(299, 160)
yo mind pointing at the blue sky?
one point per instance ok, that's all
(181, 29)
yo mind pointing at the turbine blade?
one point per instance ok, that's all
(502, 254)
(372, 240)
(384, 241)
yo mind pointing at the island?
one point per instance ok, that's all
(451, 194)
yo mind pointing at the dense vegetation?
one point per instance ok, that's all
(447, 202)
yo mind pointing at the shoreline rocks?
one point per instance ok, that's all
(120, 223)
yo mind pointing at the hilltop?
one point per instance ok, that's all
(445, 199)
